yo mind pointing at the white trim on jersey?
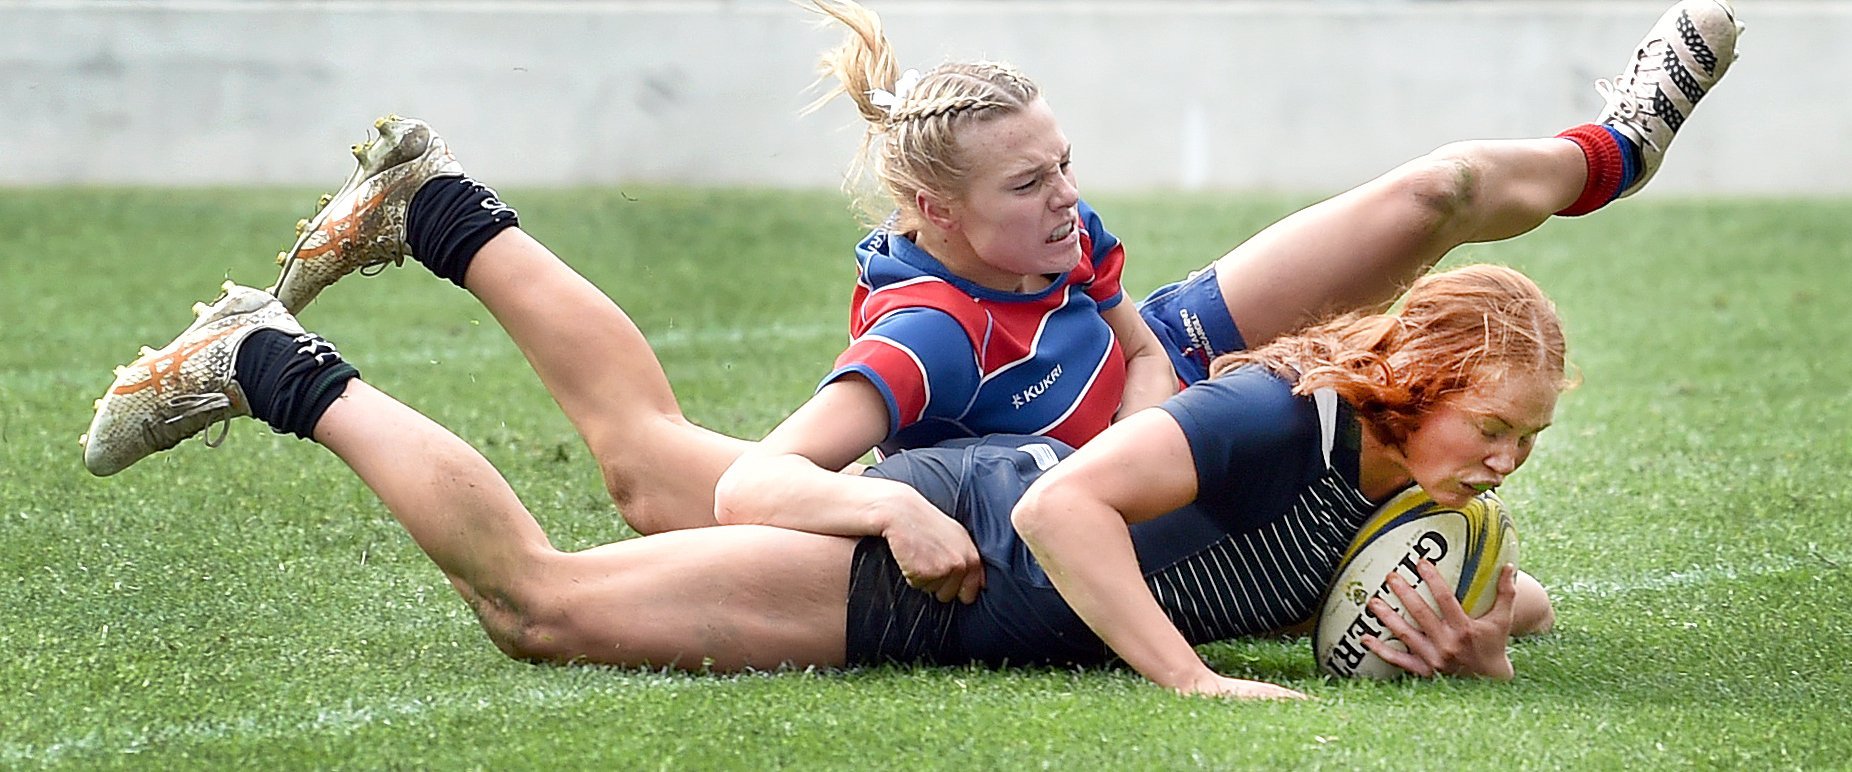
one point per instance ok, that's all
(1326, 399)
(1085, 388)
(925, 383)
(1035, 342)
(862, 309)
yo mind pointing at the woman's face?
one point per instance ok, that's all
(1472, 442)
(1018, 213)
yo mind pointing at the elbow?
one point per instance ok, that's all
(1532, 613)
(1062, 511)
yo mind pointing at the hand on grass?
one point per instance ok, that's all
(1214, 685)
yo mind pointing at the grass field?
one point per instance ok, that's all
(255, 606)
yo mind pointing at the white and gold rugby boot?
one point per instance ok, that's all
(182, 389)
(1675, 65)
(362, 226)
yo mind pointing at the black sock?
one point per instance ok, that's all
(449, 219)
(290, 381)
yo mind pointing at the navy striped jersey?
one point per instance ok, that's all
(1277, 504)
(954, 359)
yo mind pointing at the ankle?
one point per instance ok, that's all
(1613, 166)
(449, 220)
(290, 381)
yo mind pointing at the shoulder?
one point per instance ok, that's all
(924, 341)
(1250, 394)
(885, 258)
(1250, 438)
(930, 333)
(1249, 409)
(901, 277)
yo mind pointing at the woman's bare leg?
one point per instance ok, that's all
(1532, 613)
(726, 598)
(1360, 249)
(659, 467)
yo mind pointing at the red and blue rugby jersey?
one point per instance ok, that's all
(956, 359)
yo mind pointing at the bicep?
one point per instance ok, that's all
(1141, 467)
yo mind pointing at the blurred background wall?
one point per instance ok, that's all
(1229, 94)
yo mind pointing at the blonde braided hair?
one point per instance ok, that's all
(910, 144)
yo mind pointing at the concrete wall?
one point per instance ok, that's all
(1272, 95)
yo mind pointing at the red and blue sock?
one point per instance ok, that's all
(1613, 164)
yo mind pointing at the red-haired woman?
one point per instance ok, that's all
(1221, 513)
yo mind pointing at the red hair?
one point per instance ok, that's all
(1455, 330)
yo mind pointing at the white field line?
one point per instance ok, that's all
(1596, 589)
(660, 340)
(125, 741)
(345, 718)
(675, 337)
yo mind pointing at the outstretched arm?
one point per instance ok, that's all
(1075, 519)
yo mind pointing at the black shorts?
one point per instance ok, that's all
(889, 621)
(1019, 618)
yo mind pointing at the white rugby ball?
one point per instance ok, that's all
(1468, 545)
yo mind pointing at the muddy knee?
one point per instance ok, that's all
(524, 631)
(1442, 186)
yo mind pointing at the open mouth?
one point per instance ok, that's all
(1061, 233)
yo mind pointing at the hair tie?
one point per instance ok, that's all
(890, 100)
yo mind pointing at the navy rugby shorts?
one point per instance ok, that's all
(1191, 318)
(889, 621)
(1019, 618)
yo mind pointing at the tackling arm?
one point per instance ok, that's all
(1149, 377)
(786, 481)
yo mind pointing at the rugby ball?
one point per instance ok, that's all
(1468, 545)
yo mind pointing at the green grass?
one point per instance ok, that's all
(255, 606)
